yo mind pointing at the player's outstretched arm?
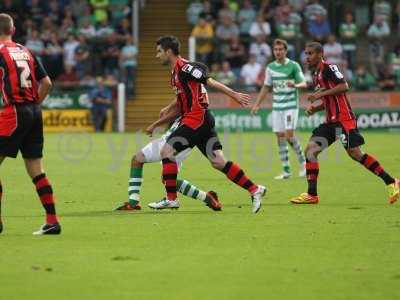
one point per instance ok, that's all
(242, 99)
(260, 98)
(166, 109)
(172, 114)
(44, 88)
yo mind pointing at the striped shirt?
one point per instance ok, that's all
(278, 76)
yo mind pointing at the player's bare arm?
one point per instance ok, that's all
(172, 114)
(44, 88)
(166, 109)
(261, 96)
(339, 89)
(300, 85)
(241, 98)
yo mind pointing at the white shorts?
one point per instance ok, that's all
(152, 150)
(283, 120)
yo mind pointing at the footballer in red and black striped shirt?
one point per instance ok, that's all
(24, 84)
(197, 126)
(341, 124)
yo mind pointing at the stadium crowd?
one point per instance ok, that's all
(77, 40)
(233, 37)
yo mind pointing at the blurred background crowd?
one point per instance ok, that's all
(78, 40)
(234, 38)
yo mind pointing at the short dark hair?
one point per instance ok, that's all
(280, 42)
(316, 46)
(169, 42)
(6, 24)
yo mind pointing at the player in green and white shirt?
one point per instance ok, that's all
(283, 77)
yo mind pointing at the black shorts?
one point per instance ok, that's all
(205, 137)
(21, 130)
(327, 133)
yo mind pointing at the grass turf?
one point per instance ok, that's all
(347, 247)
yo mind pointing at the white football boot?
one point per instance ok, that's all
(165, 203)
(256, 198)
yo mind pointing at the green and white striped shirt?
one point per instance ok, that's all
(278, 76)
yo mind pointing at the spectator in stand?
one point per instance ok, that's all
(193, 12)
(86, 15)
(35, 44)
(289, 32)
(281, 11)
(394, 62)
(226, 76)
(298, 5)
(87, 29)
(100, 10)
(333, 51)
(246, 16)
(348, 34)
(36, 11)
(386, 79)
(261, 50)
(53, 57)
(383, 9)
(77, 7)
(67, 28)
(120, 9)
(250, 74)
(69, 48)
(54, 12)
(101, 99)
(124, 29)
(215, 69)
(260, 27)
(128, 63)
(377, 33)
(267, 10)
(204, 34)
(236, 55)
(225, 32)
(68, 79)
(208, 13)
(346, 71)
(313, 10)
(104, 30)
(82, 57)
(47, 29)
(363, 80)
(110, 55)
(228, 9)
(319, 28)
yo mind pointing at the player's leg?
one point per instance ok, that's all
(291, 117)
(32, 152)
(188, 189)
(45, 192)
(278, 127)
(322, 137)
(134, 183)
(1, 195)
(352, 142)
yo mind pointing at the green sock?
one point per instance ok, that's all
(135, 182)
(186, 188)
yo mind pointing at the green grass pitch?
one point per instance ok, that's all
(347, 247)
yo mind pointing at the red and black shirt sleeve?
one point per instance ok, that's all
(332, 74)
(40, 72)
(194, 71)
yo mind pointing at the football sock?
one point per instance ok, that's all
(312, 170)
(186, 188)
(375, 167)
(294, 142)
(236, 175)
(135, 182)
(45, 192)
(169, 174)
(284, 155)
